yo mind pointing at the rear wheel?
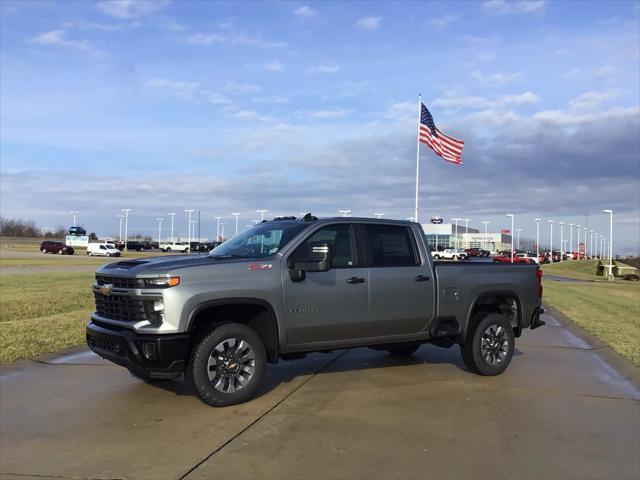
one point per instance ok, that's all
(60, 252)
(455, 257)
(44, 251)
(489, 347)
(227, 365)
(168, 250)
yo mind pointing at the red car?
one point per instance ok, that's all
(56, 247)
(516, 259)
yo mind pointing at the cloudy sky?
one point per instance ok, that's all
(161, 106)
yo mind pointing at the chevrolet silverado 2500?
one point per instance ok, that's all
(289, 286)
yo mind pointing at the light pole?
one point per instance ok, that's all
(379, 215)
(222, 231)
(518, 230)
(262, 212)
(217, 228)
(538, 220)
(172, 214)
(126, 226)
(456, 234)
(345, 213)
(74, 217)
(189, 212)
(561, 240)
(586, 229)
(159, 219)
(595, 244)
(551, 238)
(466, 231)
(236, 215)
(591, 242)
(191, 235)
(486, 223)
(610, 239)
(120, 217)
(513, 220)
(571, 239)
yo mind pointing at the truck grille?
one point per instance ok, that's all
(119, 307)
(119, 282)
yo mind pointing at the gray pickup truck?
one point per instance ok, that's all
(290, 286)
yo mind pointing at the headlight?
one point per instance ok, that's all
(164, 282)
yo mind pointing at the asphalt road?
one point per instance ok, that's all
(567, 407)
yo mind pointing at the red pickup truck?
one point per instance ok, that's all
(517, 258)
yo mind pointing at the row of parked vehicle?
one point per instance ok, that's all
(458, 253)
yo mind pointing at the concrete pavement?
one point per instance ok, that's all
(565, 408)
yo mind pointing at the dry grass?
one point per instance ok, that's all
(43, 313)
(610, 311)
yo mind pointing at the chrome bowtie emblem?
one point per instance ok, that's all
(106, 289)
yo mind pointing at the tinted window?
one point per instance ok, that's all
(390, 246)
(339, 237)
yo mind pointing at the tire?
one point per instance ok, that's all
(403, 350)
(455, 257)
(147, 378)
(90, 254)
(168, 250)
(232, 380)
(60, 252)
(44, 251)
(436, 257)
(482, 357)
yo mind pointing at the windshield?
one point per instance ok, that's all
(262, 240)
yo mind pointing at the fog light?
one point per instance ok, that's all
(158, 306)
(149, 350)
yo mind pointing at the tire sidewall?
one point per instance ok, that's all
(199, 359)
(482, 366)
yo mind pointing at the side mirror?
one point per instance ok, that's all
(318, 258)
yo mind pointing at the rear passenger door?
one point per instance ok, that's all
(401, 290)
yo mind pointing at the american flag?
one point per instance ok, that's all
(445, 146)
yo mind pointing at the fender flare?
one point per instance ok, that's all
(510, 293)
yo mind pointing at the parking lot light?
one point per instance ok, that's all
(561, 240)
(571, 239)
(551, 238)
(456, 230)
(513, 220)
(378, 215)
(74, 217)
(236, 215)
(610, 240)
(486, 222)
(172, 214)
(120, 217)
(159, 219)
(345, 213)
(126, 227)
(262, 212)
(538, 220)
(189, 212)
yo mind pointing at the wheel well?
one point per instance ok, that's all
(506, 304)
(258, 317)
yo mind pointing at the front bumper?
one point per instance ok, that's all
(158, 356)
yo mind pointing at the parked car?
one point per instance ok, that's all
(516, 258)
(528, 256)
(174, 247)
(472, 252)
(78, 231)
(56, 247)
(284, 288)
(449, 254)
(103, 249)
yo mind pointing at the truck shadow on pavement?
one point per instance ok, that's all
(341, 361)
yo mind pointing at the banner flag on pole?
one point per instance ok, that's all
(442, 144)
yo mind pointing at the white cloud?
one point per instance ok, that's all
(368, 23)
(57, 38)
(503, 6)
(591, 100)
(605, 71)
(494, 78)
(324, 114)
(273, 66)
(443, 21)
(332, 68)
(131, 8)
(305, 11)
(460, 102)
(239, 88)
(234, 39)
(251, 115)
(176, 88)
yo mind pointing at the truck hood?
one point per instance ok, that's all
(149, 266)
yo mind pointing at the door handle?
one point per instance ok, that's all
(355, 280)
(422, 278)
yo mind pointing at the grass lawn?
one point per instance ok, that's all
(578, 269)
(608, 310)
(43, 313)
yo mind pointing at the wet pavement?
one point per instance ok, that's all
(567, 407)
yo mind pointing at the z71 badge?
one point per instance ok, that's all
(260, 266)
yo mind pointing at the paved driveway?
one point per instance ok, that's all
(565, 408)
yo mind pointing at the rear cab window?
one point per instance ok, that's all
(390, 246)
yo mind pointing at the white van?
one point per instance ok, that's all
(103, 249)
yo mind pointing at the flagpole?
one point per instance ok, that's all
(418, 156)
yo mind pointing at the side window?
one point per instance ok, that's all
(340, 237)
(390, 246)
(102, 247)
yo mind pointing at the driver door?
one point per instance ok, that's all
(328, 306)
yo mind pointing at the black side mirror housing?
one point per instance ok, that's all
(318, 258)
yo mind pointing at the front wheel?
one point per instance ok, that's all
(489, 347)
(227, 365)
(168, 250)
(455, 257)
(44, 251)
(60, 252)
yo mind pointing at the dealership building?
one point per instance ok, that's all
(444, 235)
